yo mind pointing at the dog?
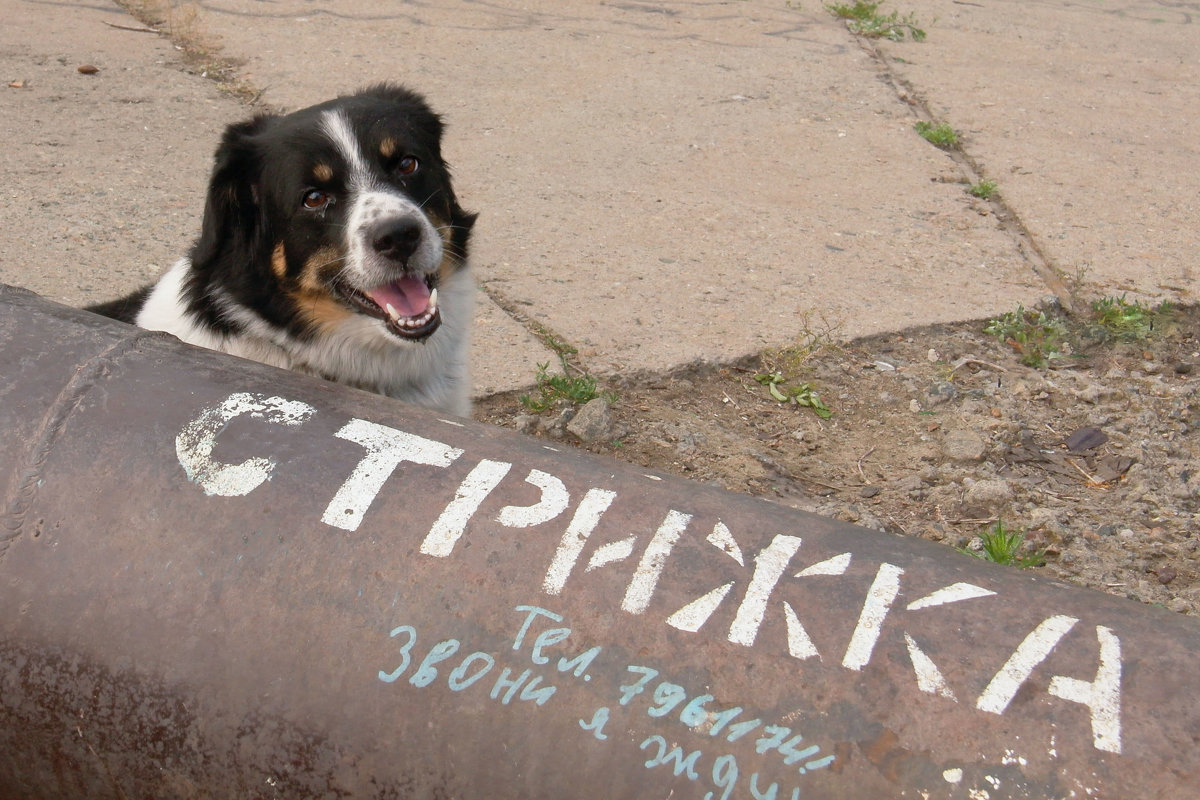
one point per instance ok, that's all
(332, 244)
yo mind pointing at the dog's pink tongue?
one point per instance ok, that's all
(409, 296)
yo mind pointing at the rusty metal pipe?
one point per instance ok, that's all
(218, 579)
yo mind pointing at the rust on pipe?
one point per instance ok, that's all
(218, 579)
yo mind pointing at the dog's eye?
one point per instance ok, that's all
(407, 165)
(315, 199)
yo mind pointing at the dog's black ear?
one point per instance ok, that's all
(234, 221)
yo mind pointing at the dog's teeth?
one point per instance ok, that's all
(433, 299)
(392, 312)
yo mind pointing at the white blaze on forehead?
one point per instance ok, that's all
(335, 125)
(370, 200)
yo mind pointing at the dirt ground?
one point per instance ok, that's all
(939, 432)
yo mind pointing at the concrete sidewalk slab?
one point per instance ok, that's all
(1085, 115)
(658, 183)
(107, 172)
(665, 182)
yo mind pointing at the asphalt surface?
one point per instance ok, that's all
(658, 182)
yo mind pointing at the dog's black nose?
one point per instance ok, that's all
(396, 239)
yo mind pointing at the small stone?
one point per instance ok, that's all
(525, 423)
(869, 491)
(941, 392)
(988, 494)
(87, 69)
(593, 422)
(964, 446)
(1179, 605)
(1166, 574)
(1042, 516)
(1086, 439)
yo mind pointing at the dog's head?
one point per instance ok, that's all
(330, 214)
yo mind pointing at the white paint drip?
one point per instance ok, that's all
(1020, 665)
(386, 448)
(1102, 696)
(649, 569)
(449, 527)
(879, 601)
(950, 594)
(723, 540)
(195, 443)
(1011, 757)
(830, 566)
(929, 678)
(611, 552)
(554, 501)
(587, 517)
(799, 644)
(769, 566)
(691, 617)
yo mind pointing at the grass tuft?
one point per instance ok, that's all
(865, 19)
(1035, 336)
(1126, 321)
(561, 389)
(803, 395)
(1004, 546)
(984, 190)
(937, 134)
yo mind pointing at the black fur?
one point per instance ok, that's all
(261, 168)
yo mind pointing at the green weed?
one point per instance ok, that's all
(1003, 546)
(1128, 321)
(802, 395)
(984, 190)
(939, 134)
(1035, 336)
(561, 389)
(864, 19)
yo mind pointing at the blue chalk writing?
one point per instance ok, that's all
(533, 613)
(682, 765)
(597, 723)
(633, 690)
(724, 775)
(459, 678)
(579, 664)
(529, 691)
(427, 673)
(390, 677)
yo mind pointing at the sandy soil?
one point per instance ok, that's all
(940, 432)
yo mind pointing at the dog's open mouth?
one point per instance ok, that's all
(409, 306)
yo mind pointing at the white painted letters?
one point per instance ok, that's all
(195, 443)
(478, 484)
(386, 448)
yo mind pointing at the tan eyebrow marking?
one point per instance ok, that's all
(279, 261)
(387, 147)
(323, 172)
